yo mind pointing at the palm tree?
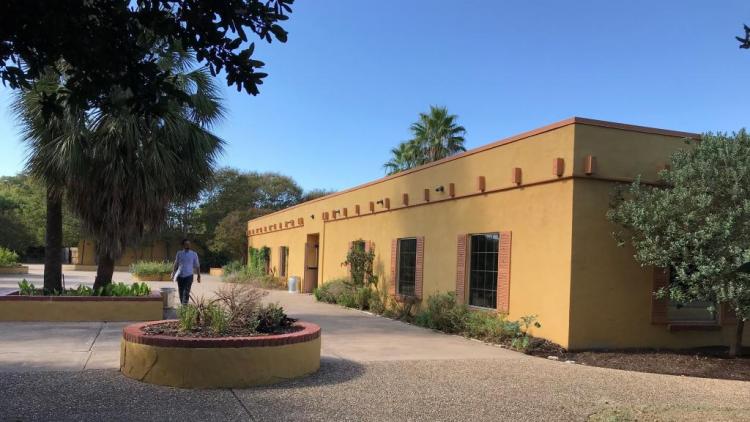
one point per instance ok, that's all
(435, 135)
(403, 157)
(438, 134)
(139, 164)
(54, 131)
(125, 168)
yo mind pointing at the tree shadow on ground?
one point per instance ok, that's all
(332, 371)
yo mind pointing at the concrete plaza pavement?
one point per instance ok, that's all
(373, 368)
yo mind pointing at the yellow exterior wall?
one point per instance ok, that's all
(565, 265)
(611, 293)
(83, 310)
(539, 217)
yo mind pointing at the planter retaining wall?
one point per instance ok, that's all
(227, 362)
(14, 307)
(19, 269)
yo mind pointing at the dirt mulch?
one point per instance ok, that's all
(704, 362)
(172, 328)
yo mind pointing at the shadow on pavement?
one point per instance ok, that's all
(332, 371)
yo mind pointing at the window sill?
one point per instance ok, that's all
(694, 326)
(481, 309)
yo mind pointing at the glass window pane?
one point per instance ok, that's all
(407, 263)
(483, 270)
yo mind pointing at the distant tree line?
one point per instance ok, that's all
(217, 218)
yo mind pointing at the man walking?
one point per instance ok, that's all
(184, 264)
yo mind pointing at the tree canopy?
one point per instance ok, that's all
(23, 214)
(234, 190)
(120, 169)
(109, 43)
(696, 223)
(435, 135)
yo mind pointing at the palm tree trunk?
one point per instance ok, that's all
(53, 243)
(736, 348)
(104, 270)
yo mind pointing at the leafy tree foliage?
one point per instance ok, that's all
(697, 223)
(23, 215)
(121, 169)
(230, 236)
(109, 43)
(435, 135)
(233, 190)
(315, 194)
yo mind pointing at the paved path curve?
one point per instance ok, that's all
(373, 369)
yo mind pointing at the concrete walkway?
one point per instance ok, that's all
(373, 369)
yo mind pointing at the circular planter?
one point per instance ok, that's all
(153, 277)
(223, 362)
(16, 269)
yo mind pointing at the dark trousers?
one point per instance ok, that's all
(183, 287)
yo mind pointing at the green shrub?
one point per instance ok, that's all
(145, 268)
(522, 339)
(488, 326)
(333, 291)
(26, 289)
(360, 264)
(188, 317)
(218, 320)
(377, 303)
(115, 289)
(122, 289)
(81, 290)
(270, 318)
(347, 299)
(234, 267)
(236, 272)
(8, 258)
(258, 259)
(401, 310)
(443, 313)
(362, 296)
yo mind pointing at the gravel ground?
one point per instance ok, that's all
(386, 391)
(374, 369)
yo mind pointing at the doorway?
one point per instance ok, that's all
(312, 257)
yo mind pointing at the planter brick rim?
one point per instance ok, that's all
(134, 334)
(15, 297)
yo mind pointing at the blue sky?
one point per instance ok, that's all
(354, 74)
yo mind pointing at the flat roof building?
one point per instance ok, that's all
(518, 226)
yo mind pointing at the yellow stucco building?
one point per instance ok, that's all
(518, 226)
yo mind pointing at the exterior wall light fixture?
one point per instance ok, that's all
(440, 188)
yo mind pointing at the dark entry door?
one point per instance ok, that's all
(310, 282)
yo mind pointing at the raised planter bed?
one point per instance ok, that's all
(15, 307)
(219, 362)
(16, 269)
(153, 277)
